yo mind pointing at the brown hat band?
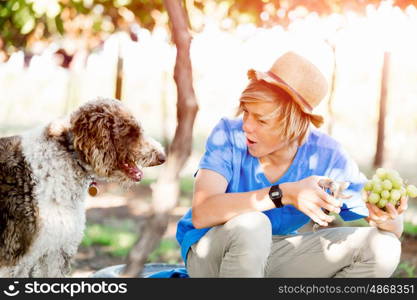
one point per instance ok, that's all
(277, 78)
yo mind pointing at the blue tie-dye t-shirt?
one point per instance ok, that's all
(227, 154)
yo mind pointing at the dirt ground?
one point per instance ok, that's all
(114, 206)
(409, 251)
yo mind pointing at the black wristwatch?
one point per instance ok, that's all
(275, 194)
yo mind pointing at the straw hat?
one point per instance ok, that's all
(300, 79)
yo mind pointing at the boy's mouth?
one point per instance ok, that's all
(250, 142)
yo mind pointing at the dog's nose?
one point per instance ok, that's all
(161, 158)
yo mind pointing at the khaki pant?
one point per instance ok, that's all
(243, 247)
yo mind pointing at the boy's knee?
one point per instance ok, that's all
(251, 229)
(385, 248)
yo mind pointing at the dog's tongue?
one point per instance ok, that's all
(133, 172)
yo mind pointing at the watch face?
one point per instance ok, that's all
(275, 194)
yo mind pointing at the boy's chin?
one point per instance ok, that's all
(254, 153)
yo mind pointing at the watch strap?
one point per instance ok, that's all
(275, 194)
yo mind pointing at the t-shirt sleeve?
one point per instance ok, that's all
(346, 169)
(218, 155)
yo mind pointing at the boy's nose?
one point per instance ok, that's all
(248, 126)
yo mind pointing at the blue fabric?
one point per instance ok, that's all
(172, 273)
(227, 154)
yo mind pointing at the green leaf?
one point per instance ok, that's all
(59, 24)
(4, 12)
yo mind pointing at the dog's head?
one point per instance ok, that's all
(111, 141)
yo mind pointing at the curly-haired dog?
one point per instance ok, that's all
(44, 176)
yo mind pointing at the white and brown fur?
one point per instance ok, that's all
(44, 176)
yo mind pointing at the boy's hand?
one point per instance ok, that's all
(378, 216)
(310, 198)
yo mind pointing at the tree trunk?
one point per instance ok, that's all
(119, 71)
(379, 154)
(164, 108)
(165, 192)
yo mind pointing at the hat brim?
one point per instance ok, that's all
(316, 119)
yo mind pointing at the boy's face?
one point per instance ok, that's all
(263, 136)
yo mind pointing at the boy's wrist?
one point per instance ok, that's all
(286, 194)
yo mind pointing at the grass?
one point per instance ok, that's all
(168, 251)
(410, 228)
(186, 188)
(119, 241)
(405, 270)
(186, 183)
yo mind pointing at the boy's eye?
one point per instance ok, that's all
(262, 122)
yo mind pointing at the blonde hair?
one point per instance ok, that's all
(292, 122)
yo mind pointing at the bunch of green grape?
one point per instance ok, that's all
(387, 186)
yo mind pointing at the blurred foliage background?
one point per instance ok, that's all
(57, 54)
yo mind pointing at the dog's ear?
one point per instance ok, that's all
(92, 129)
(125, 133)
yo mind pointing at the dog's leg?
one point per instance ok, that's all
(6, 272)
(66, 265)
(40, 268)
(22, 271)
(56, 264)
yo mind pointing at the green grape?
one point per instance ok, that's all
(385, 194)
(392, 174)
(381, 173)
(403, 191)
(368, 186)
(376, 179)
(386, 184)
(393, 202)
(374, 198)
(381, 203)
(377, 188)
(395, 195)
(397, 183)
(412, 191)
